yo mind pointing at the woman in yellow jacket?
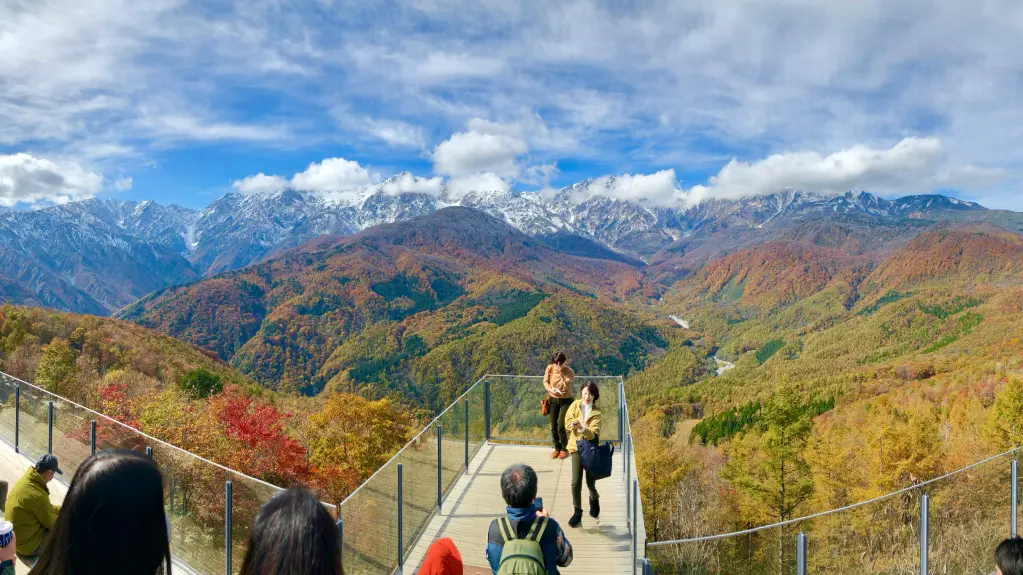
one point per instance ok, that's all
(583, 421)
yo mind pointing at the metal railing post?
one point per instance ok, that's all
(92, 437)
(486, 407)
(440, 467)
(635, 529)
(341, 535)
(648, 569)
(801, 554)
(227, 528)
(401, 555)
(924, 512)
(49, 428)
(17, 417)
(621, 410)
(149, 451)
(170, 494)
(1015, 496)
(628, 478)
(467, 435)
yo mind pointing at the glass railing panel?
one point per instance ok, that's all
(194, 496)
(32, 436)
(71, 436)
(453, 445)
(765, 552)
(477, 419)
(970, 513)
(247, 495)
(515, 407)
(7, 398)
(419, 487)
(370, 518)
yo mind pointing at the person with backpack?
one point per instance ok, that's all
(557, 380)
(583, 422)
(527, 541)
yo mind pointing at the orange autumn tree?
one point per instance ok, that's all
(351, 437)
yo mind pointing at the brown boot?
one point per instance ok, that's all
(554, 454)
(563, 455)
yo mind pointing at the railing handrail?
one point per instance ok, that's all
(837, 509)
(150, 437)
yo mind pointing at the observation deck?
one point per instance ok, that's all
(446, 483)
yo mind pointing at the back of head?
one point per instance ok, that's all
(518, 485)
(559, 358)
(293, 535)
(1009, 556)
(112, 520)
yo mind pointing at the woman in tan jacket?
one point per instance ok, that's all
(583, 421)
(557, 380)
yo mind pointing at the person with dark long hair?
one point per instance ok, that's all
(112, 521)
(293, 535)
(557, 380)
(582, 420)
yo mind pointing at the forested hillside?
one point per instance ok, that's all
(417, 310)
(179, 393)
(853, 377)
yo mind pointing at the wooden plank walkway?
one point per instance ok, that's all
(600, 546)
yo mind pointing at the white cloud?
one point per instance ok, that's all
(658, 189)
(259, 183)
(123, 184)
(482, 182)
(441, 67)
(407, 183)
(911, 165)
(472, 152)
(393, 132)
(193, 128)
(331, 175)
(26, 179)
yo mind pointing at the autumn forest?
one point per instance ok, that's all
(808, 374)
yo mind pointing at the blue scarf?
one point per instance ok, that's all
(521, 513)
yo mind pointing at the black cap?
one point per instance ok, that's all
(46, 463)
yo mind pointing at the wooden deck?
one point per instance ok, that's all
(599, 545)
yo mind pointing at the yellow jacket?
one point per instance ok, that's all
(591, 427)
(30, 510)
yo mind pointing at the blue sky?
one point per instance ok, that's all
(183, 101)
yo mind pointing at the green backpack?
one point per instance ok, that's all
(522, 556)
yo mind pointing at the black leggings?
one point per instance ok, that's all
(577, 482)
(559, 435)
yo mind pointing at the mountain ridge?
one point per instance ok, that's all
(122, 250)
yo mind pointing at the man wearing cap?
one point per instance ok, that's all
(30, 510)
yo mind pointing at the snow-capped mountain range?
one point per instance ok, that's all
(96, 256)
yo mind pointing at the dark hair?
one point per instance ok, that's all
(518, 485)
(112, 520)
(593, 390)
(293, 535)
(1009, 556)
(559, 358)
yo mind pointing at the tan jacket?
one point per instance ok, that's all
(591, 427)
(560, 379)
